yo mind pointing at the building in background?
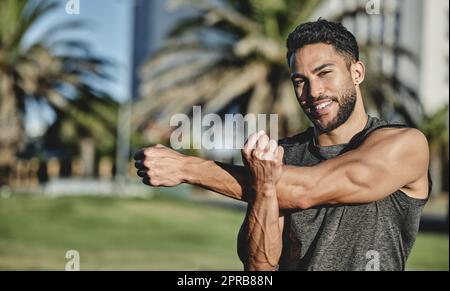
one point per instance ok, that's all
(152, 20)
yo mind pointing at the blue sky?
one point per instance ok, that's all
(108, 36)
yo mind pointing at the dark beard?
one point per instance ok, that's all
(346, 108)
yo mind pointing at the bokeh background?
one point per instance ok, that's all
(84, 84)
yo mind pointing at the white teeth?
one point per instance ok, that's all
(323, 105)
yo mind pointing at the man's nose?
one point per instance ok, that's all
(316, 89)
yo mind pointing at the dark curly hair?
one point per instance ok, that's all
(324, 31)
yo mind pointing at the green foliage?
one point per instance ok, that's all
(435, 128)
(36, 72)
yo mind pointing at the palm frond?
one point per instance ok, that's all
(236, 85)
(36, 72)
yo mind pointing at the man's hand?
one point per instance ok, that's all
(264, 159)
(160, 166)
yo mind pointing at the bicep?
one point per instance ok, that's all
(378, 168)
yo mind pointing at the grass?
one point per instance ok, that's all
(139, 234)
(430, 253)
(116, 234)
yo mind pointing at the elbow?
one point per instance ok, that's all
(305, 203)
(306, 197)
(297, 198)
(295, 201)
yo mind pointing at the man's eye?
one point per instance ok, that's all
(321, 74)
(299, 83)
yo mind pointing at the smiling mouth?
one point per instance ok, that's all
(318, 110)
(323, 105)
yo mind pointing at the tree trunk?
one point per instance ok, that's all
(436, 172)
(87, 152)
(11, 130)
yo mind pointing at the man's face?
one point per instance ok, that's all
(323, 85)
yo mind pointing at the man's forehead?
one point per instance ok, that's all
(314, 55)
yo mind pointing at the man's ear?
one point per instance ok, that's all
(358, 72)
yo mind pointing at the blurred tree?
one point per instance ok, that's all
(93, 118)
(37, 72)
(226, 52)
(435, 128)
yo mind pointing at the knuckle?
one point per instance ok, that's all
(147, 151)
(146, 163)
(256, 154)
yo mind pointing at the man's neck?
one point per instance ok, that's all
(344, 133)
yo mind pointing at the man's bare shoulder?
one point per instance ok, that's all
(406, 150)
(399, 139)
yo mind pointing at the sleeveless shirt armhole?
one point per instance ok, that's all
(419, 202)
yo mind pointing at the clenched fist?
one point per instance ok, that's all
(264, 159)
(159, 166)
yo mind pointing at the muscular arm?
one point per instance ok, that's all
(390, 159)
(263, 225)
(264, 232)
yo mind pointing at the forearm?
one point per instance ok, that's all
(232, 180)
(226, 179)
(264, 236)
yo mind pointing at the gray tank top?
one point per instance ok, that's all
(373, 236)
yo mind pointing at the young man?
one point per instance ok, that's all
(346, 194)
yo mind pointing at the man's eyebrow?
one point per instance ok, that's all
(298, 75)
(322, 67)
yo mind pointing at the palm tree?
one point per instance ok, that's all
(90, 123)
(229, 53)
(36, 72)
(92, 116)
